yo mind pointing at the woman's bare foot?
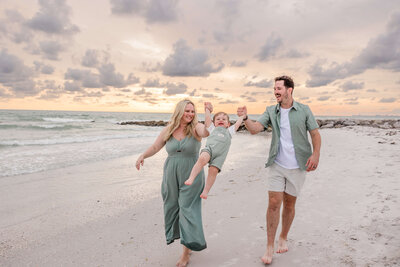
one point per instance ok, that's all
(282, 245)
(267, 258)
(184, 259)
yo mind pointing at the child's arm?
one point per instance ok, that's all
(207, 110)
(239, 122)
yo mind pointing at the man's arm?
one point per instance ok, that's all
(312, 162)
(252, 127)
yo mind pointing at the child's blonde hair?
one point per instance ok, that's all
(176, 120)
(219, 113)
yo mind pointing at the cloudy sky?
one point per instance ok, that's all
(145, 55)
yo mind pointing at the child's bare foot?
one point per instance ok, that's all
(189, 181)
(282, 245)
(204, 195)
(267, 258)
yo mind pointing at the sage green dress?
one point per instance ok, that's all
(182, 203)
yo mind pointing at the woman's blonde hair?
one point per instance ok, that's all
(176, 117)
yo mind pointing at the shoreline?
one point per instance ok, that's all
(107, 213)
(323, 124)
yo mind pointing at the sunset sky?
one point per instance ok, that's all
(144, 56)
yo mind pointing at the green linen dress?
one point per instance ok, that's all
(182, 203)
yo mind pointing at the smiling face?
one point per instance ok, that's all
(221, 119)
(283, 95)
(188, 114)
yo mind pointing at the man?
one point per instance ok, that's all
(290, 157)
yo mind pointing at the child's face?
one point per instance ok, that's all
(221, 120)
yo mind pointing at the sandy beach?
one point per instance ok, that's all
(108, 214)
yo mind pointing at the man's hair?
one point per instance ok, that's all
(287, 81)
(219, 113)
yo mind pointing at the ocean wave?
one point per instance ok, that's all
(40, 127)
(63, 120)
(72, 140)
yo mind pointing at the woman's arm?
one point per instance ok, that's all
(153, 149)
(201, 130)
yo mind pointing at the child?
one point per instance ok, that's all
(217, 147)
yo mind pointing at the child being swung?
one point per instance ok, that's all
(217, 146)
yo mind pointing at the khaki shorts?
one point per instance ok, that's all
(285, 180)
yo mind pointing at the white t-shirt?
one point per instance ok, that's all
(231, 129)
(286, 156)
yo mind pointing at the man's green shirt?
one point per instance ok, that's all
(301, 120)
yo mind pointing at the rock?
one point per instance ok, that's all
(329, 125)
(349, 123)
(386, 125)
(396, 124)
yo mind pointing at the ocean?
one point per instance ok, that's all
(37, 140)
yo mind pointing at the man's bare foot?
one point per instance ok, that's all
(189, 181)
(183, 261)
(204, 195)
(267, 258)
(282, 245)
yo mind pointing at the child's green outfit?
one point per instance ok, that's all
(218, 143)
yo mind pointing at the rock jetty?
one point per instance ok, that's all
(334, 123)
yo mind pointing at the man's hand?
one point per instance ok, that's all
(312, 162)
(242, 111)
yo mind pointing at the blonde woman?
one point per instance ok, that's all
(182, 203)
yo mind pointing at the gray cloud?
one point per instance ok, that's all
(173, 89)
(380, 52)
(269, 49)
(323, 98)
(16, 76)
(13, 27)
(91, 58)
(294, 53)
(349, 85)
(229, 13)
(127, 6)
(149, 67)
(142, 92)
(51, 49)
(239, 63)
(53, 18)
(152, 83)
(154, 11)
(193, 93)
(109, 77)
(227, 101)
(86, 77)
(44, 69)
(208, 95)
(72, 86)
(161, 11)
(47, 69)
(388, 100)
(186, 61)
(263, 83)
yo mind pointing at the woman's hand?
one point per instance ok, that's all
(209, 106)
(139, 161)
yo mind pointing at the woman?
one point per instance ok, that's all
(182, 203)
